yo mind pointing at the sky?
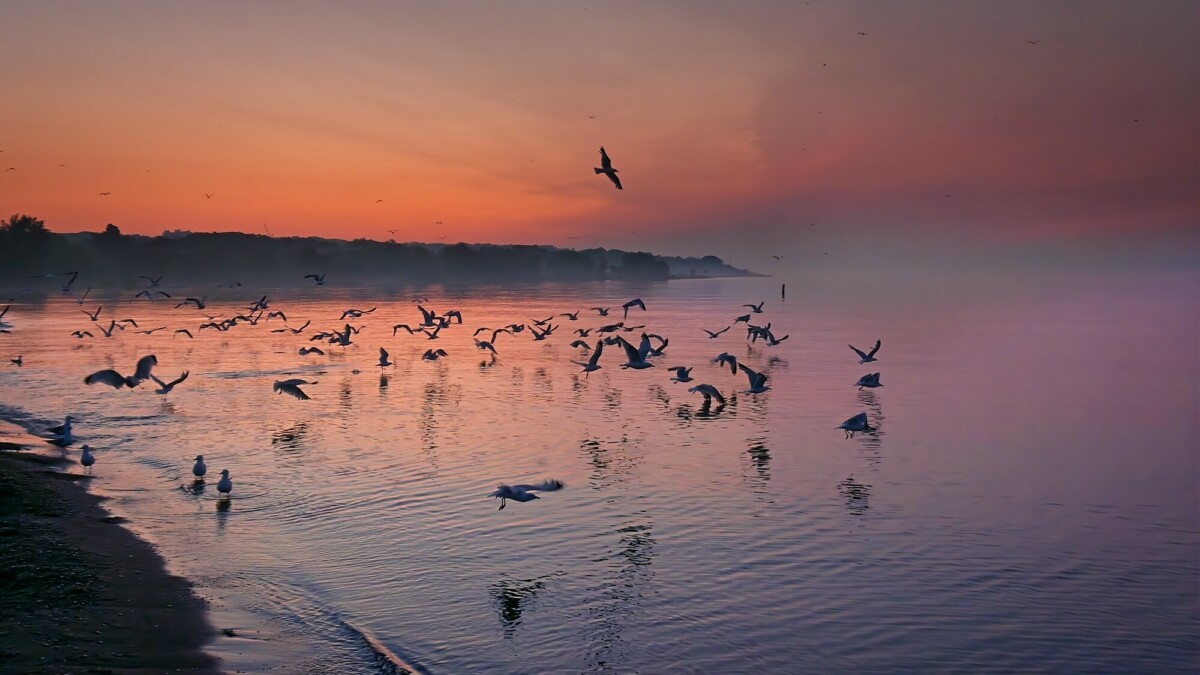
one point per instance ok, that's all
(740, 129)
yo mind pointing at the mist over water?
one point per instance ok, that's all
(1029, 500)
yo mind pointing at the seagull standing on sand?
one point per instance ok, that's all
(524, 493)
(199, 469)
(62, 433)
(869, 356)
(86, 459)
(607, 169)
(225, 485)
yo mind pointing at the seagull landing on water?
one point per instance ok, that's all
(86, 459)
(383, 358)
(607, 169)
(869, 356)
(292, 388)
(757, 309)
(225, 485)
(709, 392)
(870, 380)
(856, 423)
(758, 381)
(165, 388)
(199, 469)
(524, 493)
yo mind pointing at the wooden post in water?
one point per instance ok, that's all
(783, 291)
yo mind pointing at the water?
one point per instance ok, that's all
(1029, 501)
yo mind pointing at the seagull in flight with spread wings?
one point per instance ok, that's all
(869, 356)
(607, 169)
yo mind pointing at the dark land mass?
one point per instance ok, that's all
(109, 258)
(79, 593)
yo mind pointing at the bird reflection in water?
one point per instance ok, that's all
(760, 461)
(512, 597)
(293, 438)
(620, 597)
(857, 495)
(611, 461)
(873, 441)
(383, 384)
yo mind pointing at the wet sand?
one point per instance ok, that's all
(79, 593)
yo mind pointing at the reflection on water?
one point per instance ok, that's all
(857, 495)
(1015, 533)
(513, 597)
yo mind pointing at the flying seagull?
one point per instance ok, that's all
(166, 387)
(292, 388)
(636, 302)
(758, 381)
(524, 493)
(682, 374)
(869, 356)
(856, 423)
(870, 380)
(712, 335)
(593, 362)
(709, 392)
(607, 169)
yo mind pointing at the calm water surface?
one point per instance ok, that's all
(1028, 503)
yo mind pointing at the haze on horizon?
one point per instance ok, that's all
(741, 130)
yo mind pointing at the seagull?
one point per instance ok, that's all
(383, 358)
(523, 493)
(82, 334)
(682, 374)
(116, 380)
(635, 358)
(433, 355)
(103, 194)
(289, 329)
(199, 469)
(182, 330)
(490, 344)
(745, 318)
(636, 302)
(758, 381)
(602, 311)
(311, 350)
(404, 326)
(581, 343)
(224, 486)
(152, 280)
(856, 423)
(292, 388)
(606, 169)
(1034, 42)
(318, 278)
(62, 433)
(112, 325)
(20, 360)
(208, 195)
(757, 309)
(727, 359)
(593, 362)
(81, 299)
(569, 315)
(166, 387)
(86, 459)
(868, 357)
(200, 303)
(870, 380)
(712, 335)
(709, 392)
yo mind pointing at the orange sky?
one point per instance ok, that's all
(734, 125)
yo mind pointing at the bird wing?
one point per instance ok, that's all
(109, 376)
(631, 352)
(383, 354)
(546, 486)
(605, 162)
(144, 365)
(859, 352)
(615, 179)
(878, 344)
(183, 376)
(595, 357)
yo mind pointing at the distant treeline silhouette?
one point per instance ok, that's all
(110, 258)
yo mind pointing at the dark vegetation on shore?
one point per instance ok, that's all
(110, 258)
(80, 594)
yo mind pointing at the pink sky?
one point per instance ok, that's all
(734, 125)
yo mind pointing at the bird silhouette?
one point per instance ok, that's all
(607, 169)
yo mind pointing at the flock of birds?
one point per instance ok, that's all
(639, 354)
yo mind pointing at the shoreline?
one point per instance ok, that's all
(82, 593)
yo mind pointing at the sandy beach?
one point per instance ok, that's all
(78, 592)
